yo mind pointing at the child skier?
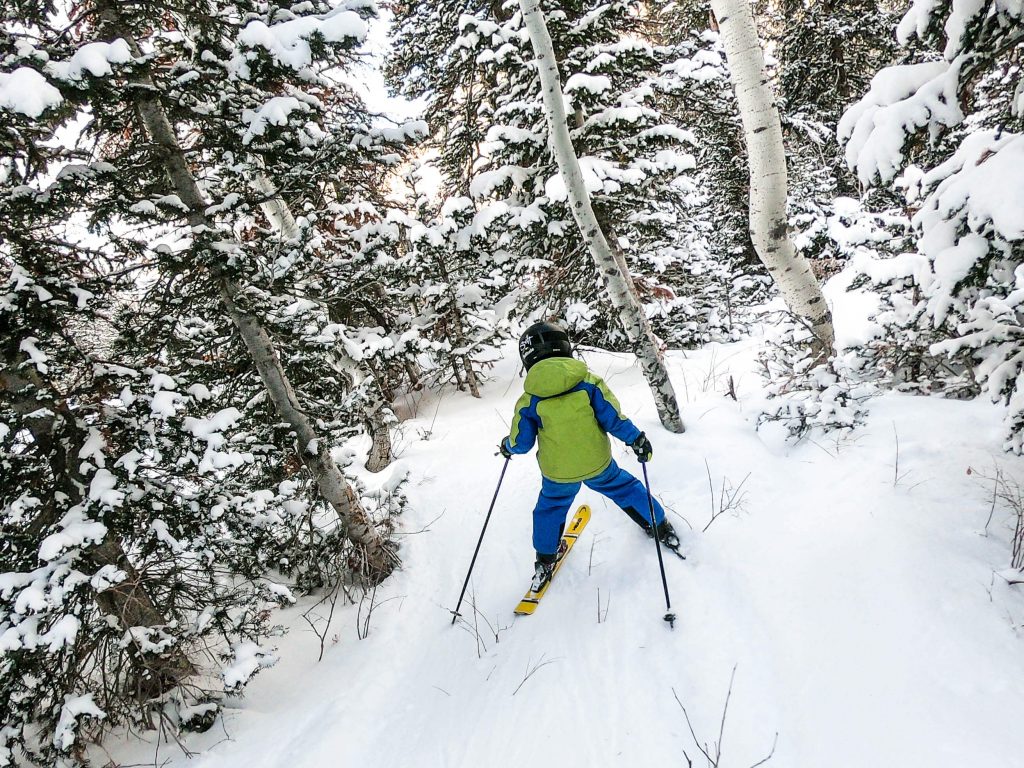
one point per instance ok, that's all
(571, 411)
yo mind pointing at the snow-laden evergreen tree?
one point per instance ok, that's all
(698, 94)
(424, 62)
(175, 185)
(71, 599)
(442, 305)
(476, 68)
(946, 129)
(455, 285)
(262, 58)
(481, 83)
(828, 51)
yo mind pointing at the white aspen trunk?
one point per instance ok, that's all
(275, 208)
(315, 452)
(380, 455)
(379, 415)
(471, 377)
(766, 157)
(612, 267)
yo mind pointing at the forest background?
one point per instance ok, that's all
(225, 278)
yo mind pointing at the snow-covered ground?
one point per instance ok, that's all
(857, 602)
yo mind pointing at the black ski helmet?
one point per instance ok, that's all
(541, 341)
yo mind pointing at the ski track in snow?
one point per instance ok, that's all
(861, 615)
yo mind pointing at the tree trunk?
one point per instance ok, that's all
(613, 271)
(415, 374)
(380, 455)
(380, 558)
(471, 377)
(766, 157)
(378, 414)
(275, 208)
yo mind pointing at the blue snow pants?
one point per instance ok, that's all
(556, 498)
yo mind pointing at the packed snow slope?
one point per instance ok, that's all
(857, 603)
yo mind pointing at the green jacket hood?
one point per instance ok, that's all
(554, 376)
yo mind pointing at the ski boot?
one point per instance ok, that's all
(543, 570)
(666, 535)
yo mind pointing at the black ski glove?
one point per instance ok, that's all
(503, 450)
(642, 448)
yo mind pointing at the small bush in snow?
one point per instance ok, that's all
(805, 391)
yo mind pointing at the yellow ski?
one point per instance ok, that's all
(531, 599)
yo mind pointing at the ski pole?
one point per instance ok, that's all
(455, 613)
(669, 616)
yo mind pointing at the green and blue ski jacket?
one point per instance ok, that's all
(569, 411)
